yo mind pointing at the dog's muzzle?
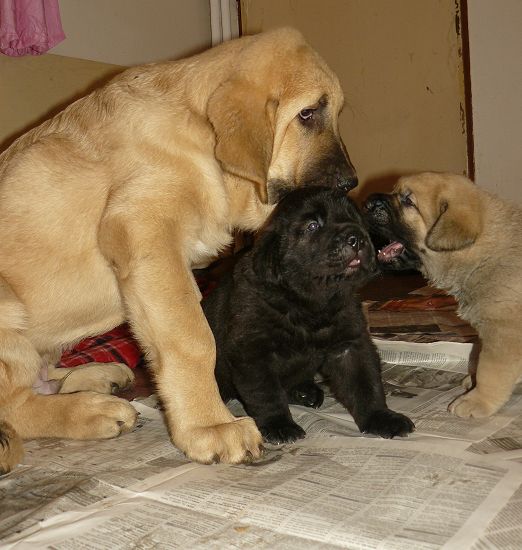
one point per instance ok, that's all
(377, 207)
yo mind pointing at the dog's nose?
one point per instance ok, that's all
(373, 203)
(347, 183)
(356, 242)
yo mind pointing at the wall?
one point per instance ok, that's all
(34, 87)
(101, 37)
(131, 32)
(495, 39)
(400, 67)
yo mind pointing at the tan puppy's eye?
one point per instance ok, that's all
(307, 114)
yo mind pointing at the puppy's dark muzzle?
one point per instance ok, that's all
(377, 207)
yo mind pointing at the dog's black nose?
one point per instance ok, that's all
(374, 203)
(356, 242)
(347, 183)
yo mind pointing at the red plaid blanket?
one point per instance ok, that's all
(118, 345)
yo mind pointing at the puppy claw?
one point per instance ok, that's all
(281, 430)
(388, 424)
(467, 382)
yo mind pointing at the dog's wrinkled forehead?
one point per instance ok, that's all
(317, 201)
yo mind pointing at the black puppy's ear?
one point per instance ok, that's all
(266, 258)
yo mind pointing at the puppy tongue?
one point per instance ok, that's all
(390, 251)
(355, 262)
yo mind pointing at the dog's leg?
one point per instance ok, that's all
(24, 414)
(164, 309)
(97, 377)
(355, 380)
(82, 415)
(264, 398)
(498, 370)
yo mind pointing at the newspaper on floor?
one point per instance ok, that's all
(355, 492)
(334, 489)
(420, 380)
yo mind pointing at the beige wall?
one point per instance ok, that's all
(495, 39)
(131, 32)
(401, 71)
(102, 36)
(34, 87)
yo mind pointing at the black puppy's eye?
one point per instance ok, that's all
(306, 114)
(312, 226)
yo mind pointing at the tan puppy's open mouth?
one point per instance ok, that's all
(390, 251)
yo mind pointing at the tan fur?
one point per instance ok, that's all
(106, 208)
(470, 243)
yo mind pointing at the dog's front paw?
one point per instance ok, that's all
(473, 404)
(387, 423)
(307, 394)
(278, 430)
(231, 442)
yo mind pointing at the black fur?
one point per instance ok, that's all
(289, 310)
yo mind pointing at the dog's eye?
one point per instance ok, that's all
(406, 201)
(312, 226)
(306, 114)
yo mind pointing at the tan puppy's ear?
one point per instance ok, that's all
(456, 227)
(243, 118)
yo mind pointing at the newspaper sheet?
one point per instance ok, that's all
(454, 483)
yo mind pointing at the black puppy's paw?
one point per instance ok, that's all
(307, 394)
(279, 429)
(387, 423)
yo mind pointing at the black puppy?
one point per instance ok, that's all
(289, 310)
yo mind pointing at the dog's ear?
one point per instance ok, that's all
(266, 260)
(243, 118)
(457, 226)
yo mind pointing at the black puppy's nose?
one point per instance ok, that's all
(347, 183)
(356, 242)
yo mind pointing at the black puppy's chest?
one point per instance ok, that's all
(306, 341)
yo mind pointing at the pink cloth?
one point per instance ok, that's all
(29, 27)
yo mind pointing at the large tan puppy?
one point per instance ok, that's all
(105, 208)
(469, 243)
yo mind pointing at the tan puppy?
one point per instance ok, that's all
(106, 208)
(469, 243)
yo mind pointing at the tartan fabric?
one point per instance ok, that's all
(116, 346)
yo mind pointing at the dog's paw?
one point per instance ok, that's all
(473, 404)
(467, 382)
(11, 449)
(387, 423)
(231, 442)
(90, 415)
(307, 394)
(97, 377)
(279, 430)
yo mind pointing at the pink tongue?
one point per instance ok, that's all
(355, 262)
(390, 251)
